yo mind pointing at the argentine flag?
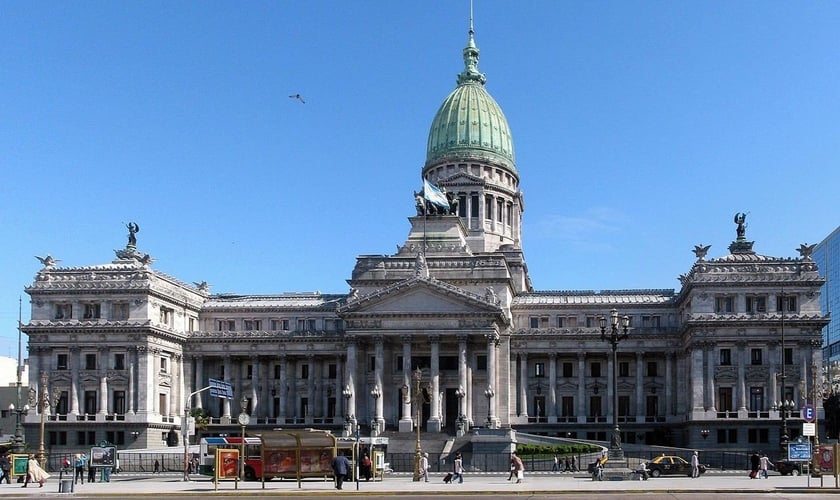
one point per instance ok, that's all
(434, 195)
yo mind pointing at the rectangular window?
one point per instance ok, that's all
(277, 370)
(534, 321)
(755, 356)
(758, 436)
(462, 205)
(119, 402)
(652, 406)
(253, 324)
(509, 214)
(90, 361)
(788, 355)
(192, 323)
(61, 362)
(481, 362)
(167, 316)
(304, 371)
(786, 303)
(115, 437)
(724, 399)
(162, 400)
(311, 325)
(332, 371)
(623, 405)
(500, 209)
(756, 304)
(63, 399)
(119, 311)
(92, 311)
(724, 305)
(595, 369)
(163, 363)
(488, 207)
(90, 403)
(650, 321)
(301, 325)
(756, 398)
(591, 321)
(725, 357)
(63, 311)
(119, 361)
(539, 369)
(595, 406)
(474, 206)
(86, 438)
(58, 438)
(623, 369)
(567, 406)
(249, 371)
(568, 369)
(652, 369)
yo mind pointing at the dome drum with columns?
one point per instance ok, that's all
(128, 347)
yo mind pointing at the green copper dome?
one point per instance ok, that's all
(469, 123)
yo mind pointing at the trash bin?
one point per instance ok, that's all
(65, 486)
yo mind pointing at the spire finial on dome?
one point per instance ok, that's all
(471, 73)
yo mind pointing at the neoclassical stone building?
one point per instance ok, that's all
(124, 347)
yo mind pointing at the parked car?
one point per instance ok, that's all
(671, 465)
(786, 467)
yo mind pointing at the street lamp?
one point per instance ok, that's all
(418, 452)
(348, 424)
(375, 393)
(489, 393)
(244, 420)
(461, 393)
(42, 402)
(785, 437)
(17, 444)
(704, 433)
(615, 336)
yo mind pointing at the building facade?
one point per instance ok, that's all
(124, 351)
(827, 257)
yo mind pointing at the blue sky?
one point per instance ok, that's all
(640, 129)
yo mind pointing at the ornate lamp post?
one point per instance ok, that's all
(17, 444)
(42, 402)
(347, 392)
(704, 433)
(375, 393)
(489, 393)
(615, 336)
(244, 419)
(460, 427)
(418, 452)
(785, 437)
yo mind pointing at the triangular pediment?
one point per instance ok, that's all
(461, 178)
(421, 295)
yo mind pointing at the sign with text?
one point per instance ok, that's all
(826, 459)
(809, 413)
(800, 452)
(102, 456)
(227, 463)
(221, 389)
(809, 429)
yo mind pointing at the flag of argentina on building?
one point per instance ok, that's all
(434, 195)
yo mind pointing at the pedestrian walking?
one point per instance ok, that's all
(157, 466)
(556, 466)
(755, 464)
(764, 463)
(424, 466)
(340, 467)
(695, 465)
(458, 471)
(35, 473)
(79, 461)
(518, 467)
(5, 466)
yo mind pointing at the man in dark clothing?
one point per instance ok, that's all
(6, 466)
(340, 467)
(755, 462)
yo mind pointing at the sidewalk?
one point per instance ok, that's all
(128, 485)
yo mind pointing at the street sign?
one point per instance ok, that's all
(809, 429)
(809, 413)
(221, 389)
(799, 452)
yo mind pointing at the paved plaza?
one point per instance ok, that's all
(540, 484)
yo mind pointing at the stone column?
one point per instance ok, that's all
(582, 403)
(406, 422)
(351, 379)
(697, 380)
(379, 403)
(255, 386)
(492, 345)
(670, 406)
(131, 382)
(75, 362)
(145, 394)
(710, 377)
(284, 384)
(523, 385)
(640, 387)
(743, 361)
(310, 389)
(228, 373)
(552, 388)
(199, 379)
(434, 423)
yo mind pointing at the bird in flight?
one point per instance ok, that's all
(298, 97)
